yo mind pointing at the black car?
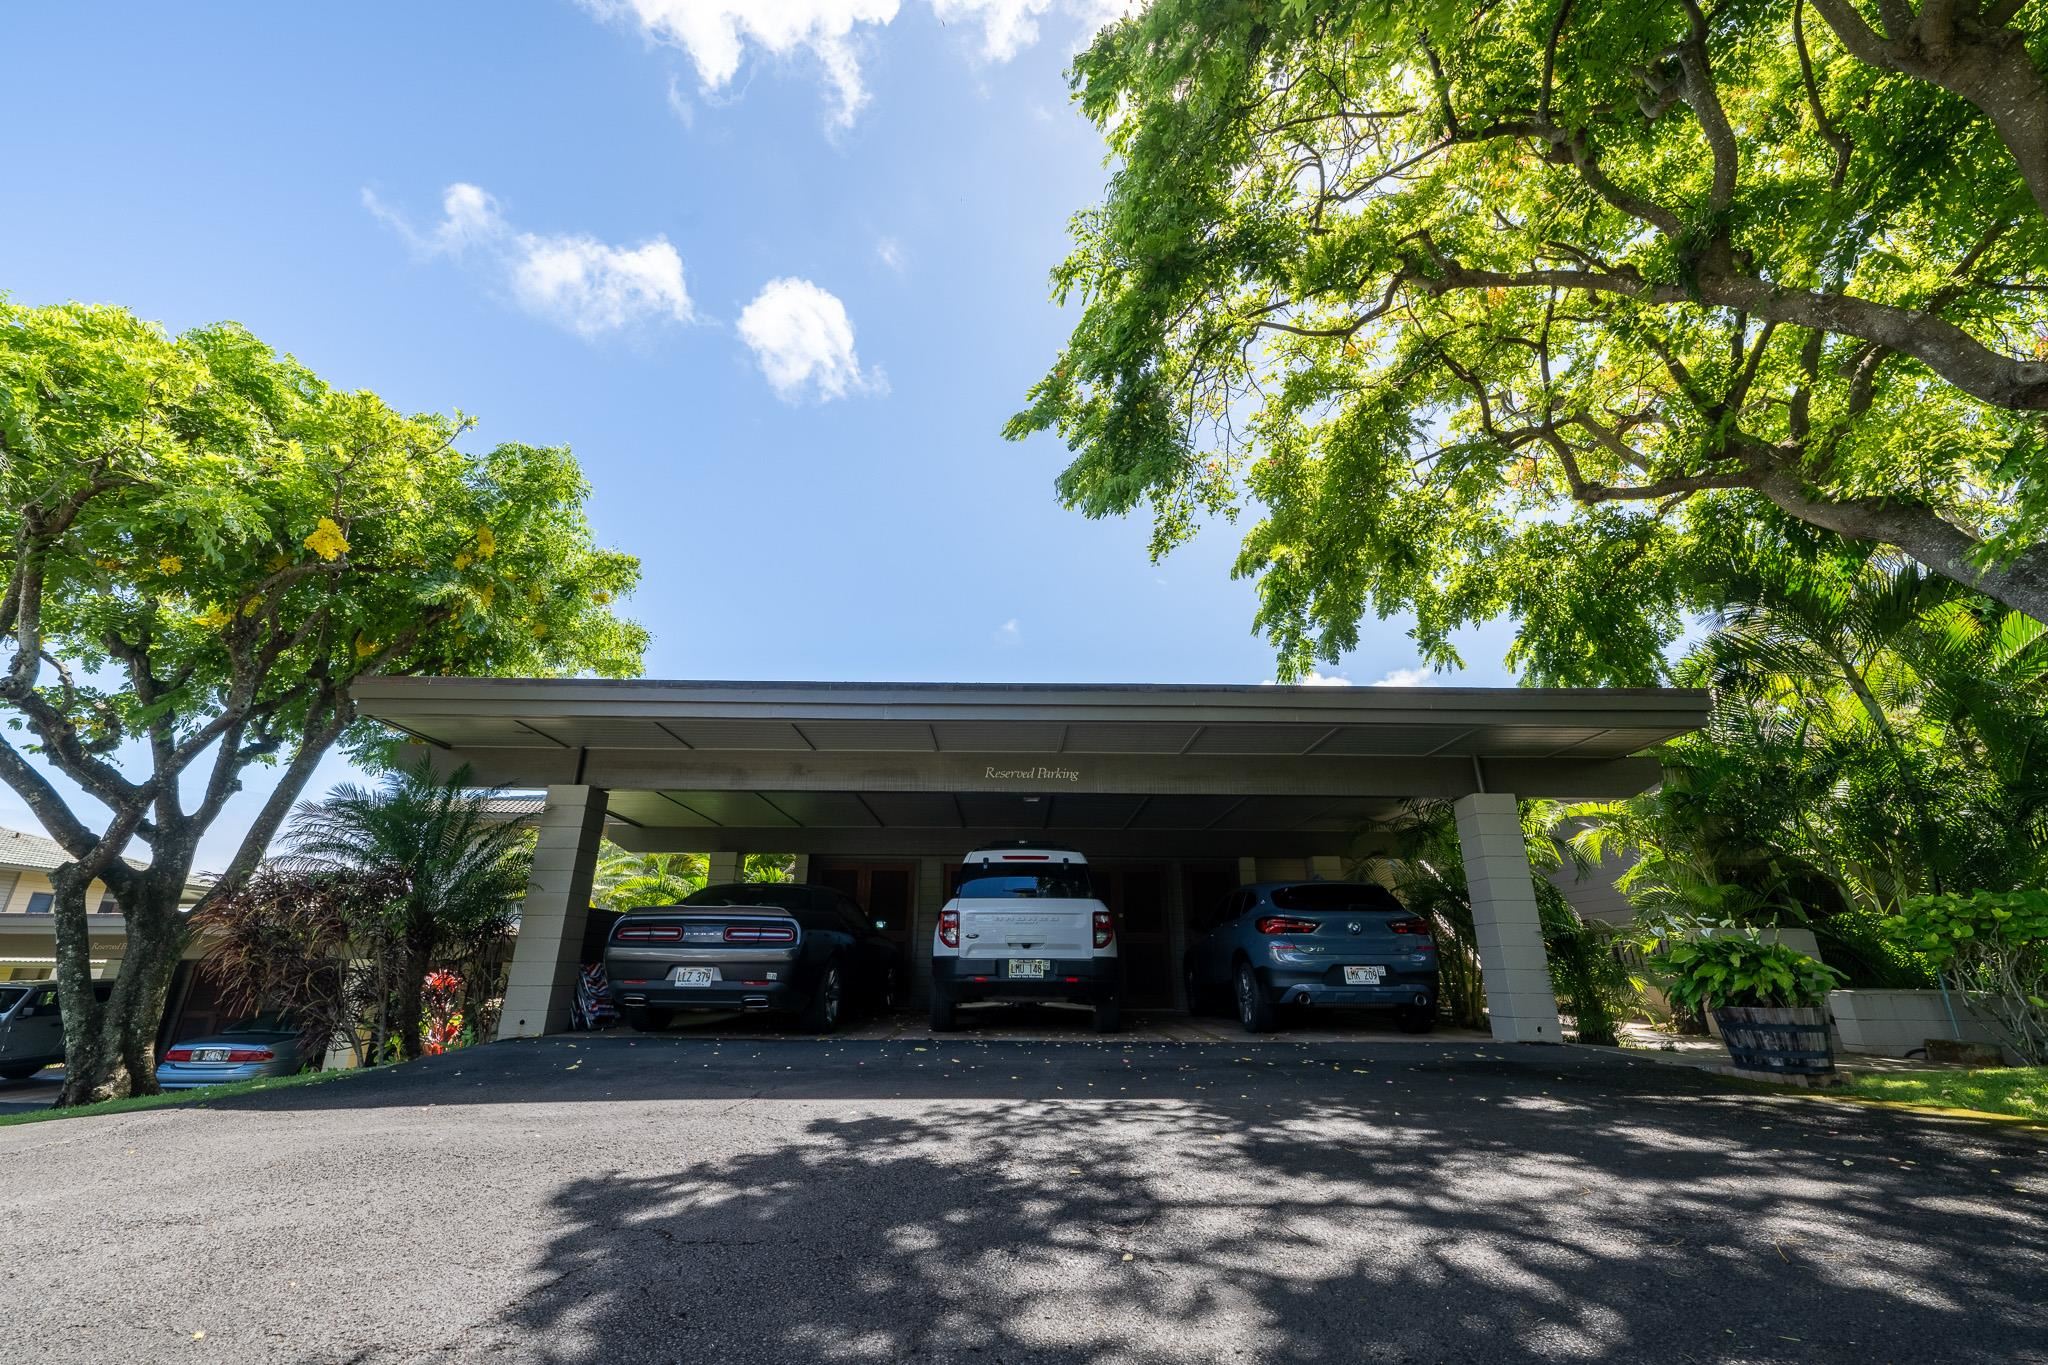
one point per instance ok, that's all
(1325, 944)
(778, 946)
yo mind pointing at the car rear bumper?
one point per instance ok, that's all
(633, 992)
(1082, 979)
(1326, 988)
(172, 1076)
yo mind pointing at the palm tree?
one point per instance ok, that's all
(628, 881)
(459, 869)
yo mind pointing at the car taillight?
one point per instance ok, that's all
(1105, 929)
(251, 1054)
(648, 933)
(1287, 924)
(178, 1054)
(1409, 926)
(949, 928)
(760, 933)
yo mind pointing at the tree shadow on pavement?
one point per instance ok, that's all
(1519, 1226)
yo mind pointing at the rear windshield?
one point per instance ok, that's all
(1014, 881)
(1338, 896)
(9, 998)
(781, 896)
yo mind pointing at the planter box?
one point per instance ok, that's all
(1777, 1043)
(1894, 1023)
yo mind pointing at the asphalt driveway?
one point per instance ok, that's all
(705, 1200)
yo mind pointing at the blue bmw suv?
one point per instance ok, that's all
(1326, 944)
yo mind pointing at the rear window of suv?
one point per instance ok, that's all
(1334, 896)
(1016, 881)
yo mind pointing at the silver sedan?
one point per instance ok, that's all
(240, 1052)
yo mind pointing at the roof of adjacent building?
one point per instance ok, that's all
(21, 851)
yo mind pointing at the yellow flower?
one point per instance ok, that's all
(540, 630)
(327, 540)
(213, 618)
(462, 561)
(249, 607)
(600, 597)
(365, 648)
(490, 591)
(486, 543)
(170, 564)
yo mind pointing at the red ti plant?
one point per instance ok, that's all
(441, 1017)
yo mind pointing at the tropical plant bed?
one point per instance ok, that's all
(175, 1097)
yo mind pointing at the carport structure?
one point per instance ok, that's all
(1176, 794)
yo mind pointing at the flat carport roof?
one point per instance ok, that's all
(1138, 770)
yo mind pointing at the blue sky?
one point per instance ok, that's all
(777, 280)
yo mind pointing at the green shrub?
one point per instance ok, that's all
(1587, 975)
(1994, 946)
(1742, 970)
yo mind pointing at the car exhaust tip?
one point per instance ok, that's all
(632, 999)
(1421, 998)
(754, 1002)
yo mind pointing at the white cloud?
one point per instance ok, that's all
(1008, 633)
(1408, 677)
(803, 340)
(717, 33)
(890, 252)
(570, 279)
(1007, 26)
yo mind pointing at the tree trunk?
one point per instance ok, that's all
(110, 1050)
(1923, 533)
(419, 957)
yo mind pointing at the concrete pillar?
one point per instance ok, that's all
(542, 981)
(801, 869)
(721, 868)
(1505, 922)
(1247, 871)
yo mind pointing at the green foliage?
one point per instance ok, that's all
(629, 881)
(1588, 974)
(234, 510)
(1527, 309)
(210, 546)
(1742, 970)
(457, 873)
(1994, 946)
(1876, 735)
(768, 867)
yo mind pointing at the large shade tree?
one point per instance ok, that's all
(207, 547)
(1511, 308)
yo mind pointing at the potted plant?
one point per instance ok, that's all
(1770, 1001)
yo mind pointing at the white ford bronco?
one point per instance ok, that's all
(1024, 924)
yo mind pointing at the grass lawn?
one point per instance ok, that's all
(2020, 1090)
(171, 1097)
